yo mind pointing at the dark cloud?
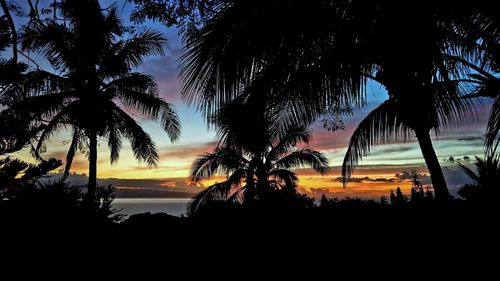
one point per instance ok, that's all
(365, 179)
(470, 138)
(410, 175)
(347, 193)
(392, 149)
(139, 187)
(401, 176)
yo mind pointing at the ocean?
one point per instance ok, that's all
(171, 206)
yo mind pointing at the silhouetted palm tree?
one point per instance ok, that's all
(487, 179)
(395, 120)
(260, 48)
(255, 159)
(96, 71)
(317, 56)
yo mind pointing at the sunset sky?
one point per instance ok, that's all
(374, 176)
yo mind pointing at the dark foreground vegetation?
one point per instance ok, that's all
(54, 217)
(52, 223)
(261, 72)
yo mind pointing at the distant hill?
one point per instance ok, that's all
(150, 193)
(138, 188)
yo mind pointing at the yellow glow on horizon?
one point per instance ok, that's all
(178, 167)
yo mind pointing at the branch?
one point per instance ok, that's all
(30, 59)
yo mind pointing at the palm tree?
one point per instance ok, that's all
(96, 74)
(313, 57)
(255, 176)
(255, 158)
(487, 179)
(395, 120)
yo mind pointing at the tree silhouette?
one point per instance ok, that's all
(96, 71)
(400, 197)
(261, 174)
(16, 174)
(17, 128)
(324, 60)
(487, 179)
(393, 198)
(187, 15)
(425, 92)
(255, 158)
(323, 203)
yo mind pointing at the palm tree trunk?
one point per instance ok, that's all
(432, 162)
(92, 186)
(263, 188)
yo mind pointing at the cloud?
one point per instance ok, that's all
(470, 138)
(191, 151)
(165, 70)
(389, 149)
(181, 185)
(364, 179)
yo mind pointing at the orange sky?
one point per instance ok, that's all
(176, 160)
(380, 181)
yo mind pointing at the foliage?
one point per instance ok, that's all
(324, 60)
(188, 15)
(16, 128)
(487, 179)
(255, 157)
(15, 173)
(95, 90)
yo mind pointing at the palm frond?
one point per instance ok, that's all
(469, 172)
(135, 81)
(288, 177)
(213, 193)
(142, 144)
(302, 64)
(381, 126)
(291, 138)
(238, 196)
(51, 40)
(114, 142)
(141, 45)
(304, 158)
(143, 98)
(220, 161)
(42, 82)
(59, 121)
(43, 106)
(237, 175)
(452, 109)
